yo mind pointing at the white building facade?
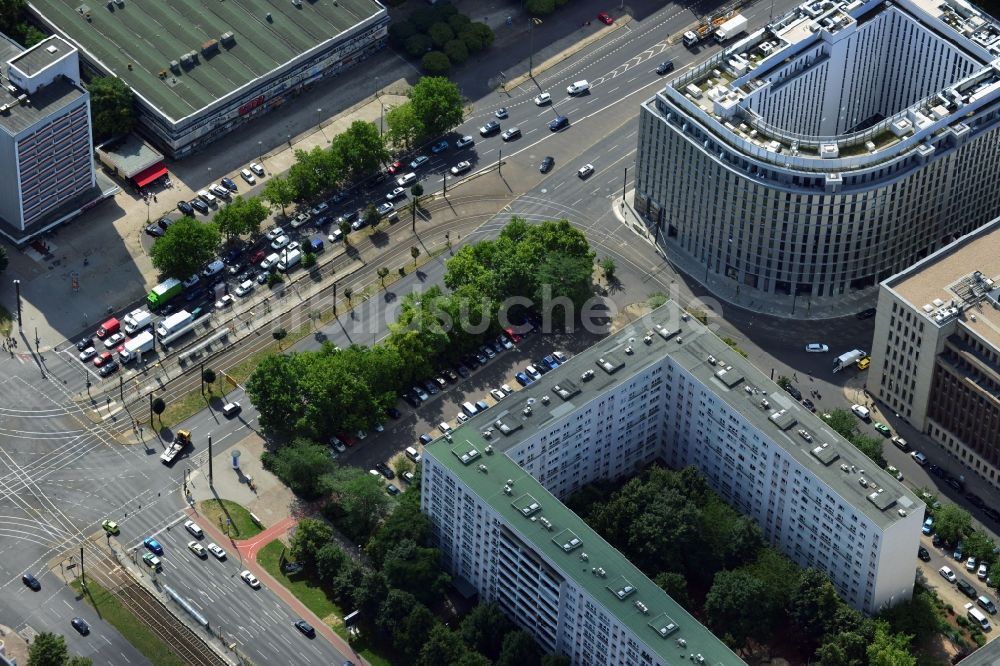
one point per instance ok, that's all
(826, 152)
(666, 388)
(45, 134)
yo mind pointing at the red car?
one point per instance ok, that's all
(346, 439)
(514, 337)
(604, 18)
(258, 257)
(394, 168)
(102, 358)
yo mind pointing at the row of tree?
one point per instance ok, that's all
(48, 649)
(316, 394)
(434, 106)
(396, 589)
(674, 528)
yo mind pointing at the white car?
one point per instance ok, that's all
(194, 529)
(970, 564)
(506, 389)
(543, 99)
(217, 551)
(461, 167)
(275, 232)
(191, 281)
(280, 242)
(257, 169)
(462, 417)
(861, 412)
(270, 261)
(444, 427)
(247, 176)
(948, 574)
(396, 193)
(294, 245)
(533, 373)
(250, 579)
(88, 354)
(214, 268)
(197, 549)
(383, 209)
(465, 142)
(406, 179)
(244, 288)
(817, 347)
(497, 394)
(113, 340)
(224, 302)
(983, 573)
(585, 170)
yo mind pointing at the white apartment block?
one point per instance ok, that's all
(665, 388)
(45, 137)
(827, 151)
(936, 349)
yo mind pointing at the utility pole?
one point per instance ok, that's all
(17, 291)
(624, 182)
(83, 576)
(150, 405)
(203, 378)
(499, 159)
(444, 185)
(531, 45)
(211, 477)
(121, 387)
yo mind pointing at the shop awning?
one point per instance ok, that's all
(147, 176)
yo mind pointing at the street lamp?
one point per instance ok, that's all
(319, 120)
(531, 45)
(260, 151)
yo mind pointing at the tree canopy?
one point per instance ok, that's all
(951, 522)
(111, 107)
(359, 150)
(241, 217)
(185, 247)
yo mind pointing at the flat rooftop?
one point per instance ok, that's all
(38, 105)
(138, 41)
(945, 285)
(608, 363)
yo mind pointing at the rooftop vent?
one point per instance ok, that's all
(227, 39)
(610, 364)
(642, 607)
(488, 450)
(825, 453)
(51, 48)
(587, 375)
(482, 468)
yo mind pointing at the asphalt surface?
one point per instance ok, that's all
(63, 474)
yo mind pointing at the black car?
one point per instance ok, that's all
(108, 368)
(384, 470)
(231, 256)
(666, 66)
(154, 230)
(470, 361)
(430, 386)
(84, 343)
(541, 366)
(937, 471)
(200, 205)
(490, 128)
(305, 628)
(411, 400)
(229, 184)
(31, 582)
(954, 483)
(559, 123)
(195, 294)
(809, 404)
(185, 207)
(794, 392)
(450, 374)
(164, 223)
(866, 314)
(937, 540)
(547, 164)
(975, 499)
(923, 554)
(80, 625)
(992, 513)
(461, 370)
(393, 413)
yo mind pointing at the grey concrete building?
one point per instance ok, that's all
(813, 159)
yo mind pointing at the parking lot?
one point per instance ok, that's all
(949, 592)
(446, 405)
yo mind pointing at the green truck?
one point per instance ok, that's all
(163, 292)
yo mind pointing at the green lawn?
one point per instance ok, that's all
(134, 631)
(216, 511)
(315, 598)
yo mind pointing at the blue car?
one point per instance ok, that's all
(551, 361)
(439, 147)
(522, 379)
(153, 545)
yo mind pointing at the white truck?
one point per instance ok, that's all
(848, 358)
(289, 260)
(137, 346)
(731, 28)
(137, 320)
(173, 323)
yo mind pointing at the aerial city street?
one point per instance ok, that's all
(457, 332)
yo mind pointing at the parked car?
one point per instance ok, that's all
(229, 184)
(605, 18)
(817, 347)
(419, 161)
(199, 205)
(250, 579)
(153, 545)
(248, 176)
(923, 554)
(948, 574)
(883, 429)
(257, 169)
(185, 207)
(439, 147)
(154, 230)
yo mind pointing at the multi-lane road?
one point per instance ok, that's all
(63, 470)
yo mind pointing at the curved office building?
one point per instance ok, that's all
(826, 152)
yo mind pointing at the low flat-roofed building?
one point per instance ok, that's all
(667, 388)
(45, 140)
(199, 70)
(936, 349)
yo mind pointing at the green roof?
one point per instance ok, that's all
(149, 35)
(565, 540)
